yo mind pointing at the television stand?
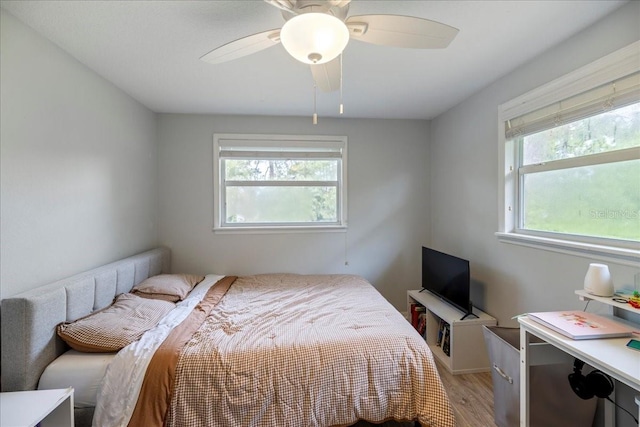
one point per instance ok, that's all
(470, 314)
(467, 352)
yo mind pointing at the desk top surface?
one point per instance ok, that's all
(27, 408)
(610, 355)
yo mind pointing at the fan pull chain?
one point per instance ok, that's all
(315, 106)
(341, 104)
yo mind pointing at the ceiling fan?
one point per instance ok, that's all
(316, 32)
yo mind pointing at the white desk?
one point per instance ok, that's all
(49, 408)
(611, 356)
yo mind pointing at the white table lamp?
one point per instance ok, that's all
(598, 281)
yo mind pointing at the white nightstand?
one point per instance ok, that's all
(28, 408)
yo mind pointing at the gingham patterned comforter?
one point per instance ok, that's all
(292, 350)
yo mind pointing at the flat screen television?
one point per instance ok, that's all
(447, 277)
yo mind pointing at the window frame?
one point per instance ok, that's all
(609, 68)
(335, 146)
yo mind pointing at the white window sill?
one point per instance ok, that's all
(624, 256)
(280, 230)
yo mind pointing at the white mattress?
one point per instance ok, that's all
(82, 371)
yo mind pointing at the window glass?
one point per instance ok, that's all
(600, 200)
(599, 197)
(281, 205)
(608, 131)
(281, 170)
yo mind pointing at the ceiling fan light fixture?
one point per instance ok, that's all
(314, 38)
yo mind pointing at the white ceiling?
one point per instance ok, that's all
(151, 50)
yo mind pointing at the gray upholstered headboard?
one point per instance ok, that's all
(29, 319)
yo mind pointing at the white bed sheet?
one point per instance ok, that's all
(82, 371)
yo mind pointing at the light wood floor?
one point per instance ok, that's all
(471, 396)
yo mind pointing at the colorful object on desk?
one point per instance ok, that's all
(624, 298)
(635, 300)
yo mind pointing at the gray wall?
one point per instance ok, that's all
(510, 279)
(464, 183)
(78, 164)
(387, 203)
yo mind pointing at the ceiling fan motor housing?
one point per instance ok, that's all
(340, 10)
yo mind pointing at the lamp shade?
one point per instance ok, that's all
(314, 38)
(598, 281)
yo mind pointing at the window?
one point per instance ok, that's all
(278, 182)
(571, 152)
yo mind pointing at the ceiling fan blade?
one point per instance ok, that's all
(327, 75)
(286, 5)
(339, 3)
(243, 47)
(401, 31)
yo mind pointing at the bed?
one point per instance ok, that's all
(272, 349)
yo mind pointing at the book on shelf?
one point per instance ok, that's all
(422, 324)
(581, 325)
(413, 314)
(415, 310)
(440, 332)
(445, 339)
